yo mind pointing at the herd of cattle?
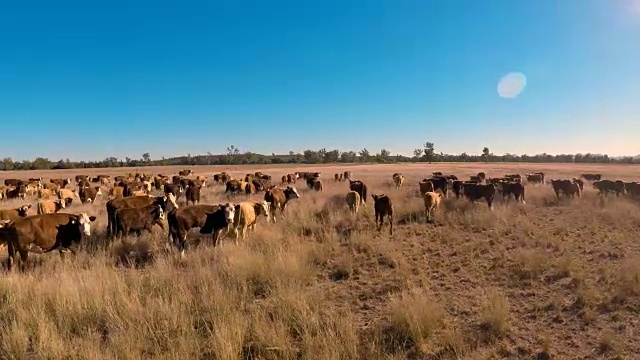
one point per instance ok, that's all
(132, 208)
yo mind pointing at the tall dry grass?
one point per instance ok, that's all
(324, 284)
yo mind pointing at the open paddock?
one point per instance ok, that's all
(545, 278)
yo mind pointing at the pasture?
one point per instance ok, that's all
(545, 279)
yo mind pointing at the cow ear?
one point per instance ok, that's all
(29, 206)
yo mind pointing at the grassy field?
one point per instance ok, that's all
(545, 279)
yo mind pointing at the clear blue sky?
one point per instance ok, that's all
(89, 79)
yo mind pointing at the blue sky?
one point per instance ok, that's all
(89, 79)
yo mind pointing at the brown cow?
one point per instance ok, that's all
(186, 172)
(89, 194)
(167, 203)
(184, 219)
(14, 182)
(591, 177)
(50, 206)
(62, 183)
(536, 178)
(279, 198)
(383, 208)
(567, 187)
(14, 214)
(192, 193)
(46, 232)
(136, 219)
(607, 186)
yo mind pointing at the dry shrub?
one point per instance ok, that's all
(607, 344)
(530, 264)
(494, 314)
(413, 318)
(627, 282)
(342, 270)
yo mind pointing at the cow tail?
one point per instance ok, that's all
(364, 193)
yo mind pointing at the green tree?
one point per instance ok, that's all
(311, 157)
(348, 157)
(429, 151)
(417, 153)
(365, 156)
(7, 164)
(146, 157)
(485, 154)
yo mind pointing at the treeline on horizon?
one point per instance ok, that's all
(323, 156)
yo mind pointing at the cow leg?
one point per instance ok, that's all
(11, 251)
(390, 224)
(214, 238)
(24, 256)
(237, 233)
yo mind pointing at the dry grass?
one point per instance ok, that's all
(522, 281)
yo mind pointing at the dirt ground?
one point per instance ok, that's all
(547, 279)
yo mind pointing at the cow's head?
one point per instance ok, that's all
(262, 207)
(24, 210)
(229, 212)
(4, 223)
(62, 203)
(291, 192)
(83, 223)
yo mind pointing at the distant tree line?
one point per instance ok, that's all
(234, 156)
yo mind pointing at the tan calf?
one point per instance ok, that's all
(432, 202)
(50, 206)
(246, 217)
(353, 201)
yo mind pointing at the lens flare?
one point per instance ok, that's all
(511, 85)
